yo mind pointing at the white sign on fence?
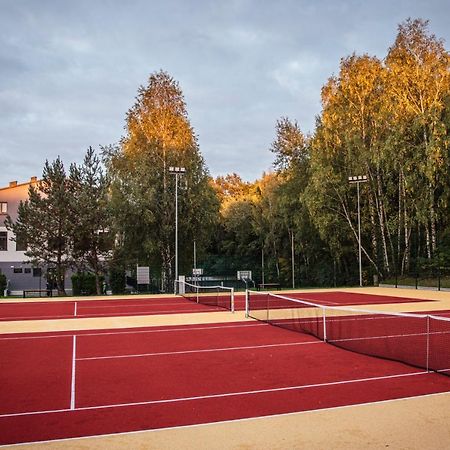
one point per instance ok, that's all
(143, 275)
(197, 272)
(244, 275)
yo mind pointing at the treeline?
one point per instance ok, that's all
(387, 119)
(110, 214)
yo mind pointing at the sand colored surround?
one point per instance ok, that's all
(416, 423)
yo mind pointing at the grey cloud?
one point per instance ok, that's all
(69, 71)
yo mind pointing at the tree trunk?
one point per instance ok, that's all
(381, 216)
(98, 287)
(432, 223)
(428, 240)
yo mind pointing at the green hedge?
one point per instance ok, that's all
(117, 280)
(2, 283)
(83, 283)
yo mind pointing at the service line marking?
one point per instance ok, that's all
(223, 395)
(184, 352)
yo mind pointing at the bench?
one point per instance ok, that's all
(47, 292)
(268, 286)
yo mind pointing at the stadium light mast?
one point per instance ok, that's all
(358, 180)
(177, 171)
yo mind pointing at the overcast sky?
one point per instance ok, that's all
(69, 70)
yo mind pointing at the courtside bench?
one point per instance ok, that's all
(40, 292)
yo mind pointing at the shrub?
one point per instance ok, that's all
(117, 280)
(2, 283)
(83, 283)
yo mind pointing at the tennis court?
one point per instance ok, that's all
(133, 305)
(115, 381)
(103, 382)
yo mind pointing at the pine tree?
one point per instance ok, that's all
(91, 233)
(45, 221)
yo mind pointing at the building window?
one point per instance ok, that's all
(27, 270)
(3, 241)
(37, 272)
(17, 270)
(3, 208)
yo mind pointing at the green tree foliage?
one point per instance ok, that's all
(91, 229)
(159, 136)
(45, 223)
(384, 119)
(2, 284)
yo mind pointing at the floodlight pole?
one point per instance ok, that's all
(293, 260)
(176, 171)
(358, 180)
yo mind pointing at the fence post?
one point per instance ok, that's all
(246, 303)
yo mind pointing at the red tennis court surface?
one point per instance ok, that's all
(133, 306)
(338, 298)
(64, 385)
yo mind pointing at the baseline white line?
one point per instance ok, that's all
(252, 324)
(153, 312)
(84, 306)
(228, 394)
(245, 419)
(136, 313)
(185, 352)
(74, 362)
(12, 319)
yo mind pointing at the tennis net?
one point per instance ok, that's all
(420, 340)
(220, 296)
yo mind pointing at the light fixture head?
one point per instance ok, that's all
(174, 169)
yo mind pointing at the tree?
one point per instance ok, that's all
(290, 146)
(91, 231)
(419, 81)
(159, 135)
(45, 221)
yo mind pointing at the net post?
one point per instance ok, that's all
(232, 300)
(428, 343)
(324, 324)
(246, 304)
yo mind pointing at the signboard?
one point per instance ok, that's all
(197, 272)
(143, 275)
(244, 275)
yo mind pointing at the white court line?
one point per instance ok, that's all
(72, 384)
(13, 318)
(228, 394)
(136, 313)
(143, 304)
(184, 352)
(75, 309)
(252, 324)
(151, 312)
(245, 419)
